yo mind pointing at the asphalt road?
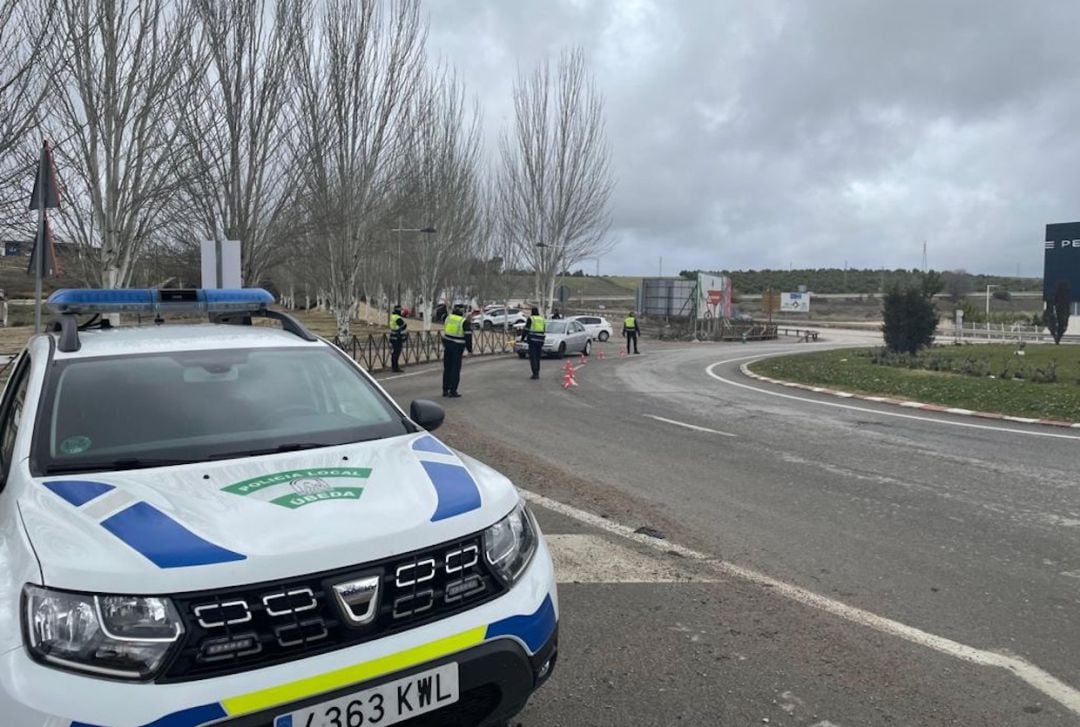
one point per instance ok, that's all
(929, 543)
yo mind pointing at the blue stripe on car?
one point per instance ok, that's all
(163, 541)
(533, 629)
(191, 717)
(78, 492)
(429, 444)
(455, 487)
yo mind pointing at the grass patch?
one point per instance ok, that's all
(979, 377)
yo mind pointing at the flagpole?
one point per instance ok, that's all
(39, 249)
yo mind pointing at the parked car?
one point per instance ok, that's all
(598, 327)
(498, 317)
(562, 338)
(222, 523)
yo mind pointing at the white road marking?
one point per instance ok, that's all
(867, 410)
(688, 426)
(1039, 679)
(594, 559)
(414, 373)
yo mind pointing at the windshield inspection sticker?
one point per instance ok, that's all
(75, 445)
(297, 488)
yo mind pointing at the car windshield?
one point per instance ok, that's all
(556, 326)
(170, 408)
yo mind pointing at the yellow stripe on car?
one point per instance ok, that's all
(304, 688)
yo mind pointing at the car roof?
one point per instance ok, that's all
(128, 340)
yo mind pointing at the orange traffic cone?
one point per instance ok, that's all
(568, 379)
(583, 360)
(622, 353)
(600, 354)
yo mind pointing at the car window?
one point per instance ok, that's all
(205, 404)
(576, 327)
(14, 398)
(556, 326)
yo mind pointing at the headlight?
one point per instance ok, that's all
(509, 544)
(118, 636)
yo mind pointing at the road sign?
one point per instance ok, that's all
(770, 302)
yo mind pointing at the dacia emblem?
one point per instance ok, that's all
(359, 599)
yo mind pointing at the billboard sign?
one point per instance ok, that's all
(1061, 258)
(794, 302)
(713, 297)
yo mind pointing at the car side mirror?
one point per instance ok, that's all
(427, 414)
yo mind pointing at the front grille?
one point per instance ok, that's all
(248, 627)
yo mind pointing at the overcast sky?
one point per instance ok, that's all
(767, 133)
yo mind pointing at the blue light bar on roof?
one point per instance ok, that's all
(155, 300)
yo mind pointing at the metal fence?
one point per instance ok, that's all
(996, 332)
(373, 351)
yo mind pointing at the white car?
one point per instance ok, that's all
(598, 327)
(503, 317)
(234, 524)
(561, 338)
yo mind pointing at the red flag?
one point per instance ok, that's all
(46, 175)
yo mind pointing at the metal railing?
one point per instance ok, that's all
(373, 351)
(995, 332)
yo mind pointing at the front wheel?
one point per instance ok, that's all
(604, 336)
(588, 348)
(488, 325)
(562, 350)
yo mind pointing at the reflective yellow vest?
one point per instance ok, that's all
(537, 324)
(454, 328)
(395, 324)
(630, 323)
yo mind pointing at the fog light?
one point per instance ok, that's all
(544, 670)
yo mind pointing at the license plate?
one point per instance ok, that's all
(385, 704)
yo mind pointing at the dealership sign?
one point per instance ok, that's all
(795, 302)
(1061, 258)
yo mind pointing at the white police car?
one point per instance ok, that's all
(233, 524)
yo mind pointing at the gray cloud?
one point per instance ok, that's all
(752, 135)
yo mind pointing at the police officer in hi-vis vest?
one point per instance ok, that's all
(535, 328)
(457, 338)
(397, 327)
(630, 330)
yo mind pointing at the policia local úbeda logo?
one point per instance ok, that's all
(297, 488)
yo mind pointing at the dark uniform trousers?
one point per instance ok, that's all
(536, 350)
(452, 355)
(396, 341)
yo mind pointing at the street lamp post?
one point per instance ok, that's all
(542, 246)
(988, 287)
(399, 229)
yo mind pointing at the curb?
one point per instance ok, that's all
(745, 369)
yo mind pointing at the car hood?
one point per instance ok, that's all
(192, 527)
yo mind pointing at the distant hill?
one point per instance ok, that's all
(838, 280)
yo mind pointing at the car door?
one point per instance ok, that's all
(576, 336)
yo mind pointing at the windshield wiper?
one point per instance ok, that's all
(280, 449)
(126, 463)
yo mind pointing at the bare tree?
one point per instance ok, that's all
(242, 181)
(117, 76)
(25, 40)
(442, 183)
(556, 175)
(356, 76)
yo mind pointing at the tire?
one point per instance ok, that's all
(562, 350)
(588, 348)
(604, 336)
(488, 325)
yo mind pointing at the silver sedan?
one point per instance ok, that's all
(562, 337)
